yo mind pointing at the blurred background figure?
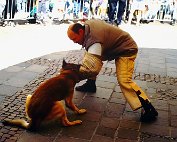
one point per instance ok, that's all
(136, 10)
(116, 9)
(10, 9)
(2, 7)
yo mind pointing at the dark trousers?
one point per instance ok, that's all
(113, 9)
(10, 8)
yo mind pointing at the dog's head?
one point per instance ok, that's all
(70, 66)
(71, 70)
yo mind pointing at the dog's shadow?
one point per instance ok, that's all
(52, 128)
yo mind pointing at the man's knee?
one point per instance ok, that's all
(122, 80)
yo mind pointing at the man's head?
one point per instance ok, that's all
(76, 33)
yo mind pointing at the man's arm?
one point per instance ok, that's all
(92, 63)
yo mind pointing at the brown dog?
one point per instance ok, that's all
(45, 104)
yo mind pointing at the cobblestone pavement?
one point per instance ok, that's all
(109, 118)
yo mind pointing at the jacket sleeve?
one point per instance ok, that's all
(91, 66)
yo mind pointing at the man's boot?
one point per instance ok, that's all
(148, 113)
(89, 86)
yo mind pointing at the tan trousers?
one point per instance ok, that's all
(124, 71)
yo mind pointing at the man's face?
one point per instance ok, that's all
(76, 37)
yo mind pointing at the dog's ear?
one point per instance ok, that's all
(64, 63)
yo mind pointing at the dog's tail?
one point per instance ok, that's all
(20, 122)
(17, 122)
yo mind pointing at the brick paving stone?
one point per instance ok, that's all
(14, 69)
(105, 84)
(94, 104)
(57, 55)
(142, 68)
(34, 137)
(69, 139)
(125, 140)
(17, 82)
(163, 114)
(36, 68)
(156, 85)
(78, 97)
(91, 116)
(84, 131)
(155, 70)
(130, 124)
(172, 102)
(6, 135)
(114, 110)
(23, 64)
(160, 65)
(8, 90)
(133, 116)
(99, 138)
(107, 71)
(13, 138)
(109, 122)
(118, 95)
(103, 93)
(174, 132)
(117, 89)
(141, 84)
(117, 100)
(51, 129)
(5, 75)
(171, 60)
(128, 134)
(171, 73)
(173, 109)
(110, 65)
(27, 75)
(154, 129)
(162, 121)
(3, 139)
(5, 131)
(1, 100)
(155, 139)
(173, 120)
(107, 78)
(105, 131)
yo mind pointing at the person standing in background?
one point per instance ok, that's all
(116, 7)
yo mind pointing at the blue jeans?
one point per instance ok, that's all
(76, 9)
(113, 9)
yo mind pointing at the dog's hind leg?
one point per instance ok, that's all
(58, 111)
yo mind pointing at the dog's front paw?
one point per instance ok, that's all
(72, 123)
(77, 122)
(82, 111)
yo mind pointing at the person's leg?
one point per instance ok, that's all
(112, 9)
(131, 91)
(89, 86)
(121, 9)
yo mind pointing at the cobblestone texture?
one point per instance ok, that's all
(108, 118)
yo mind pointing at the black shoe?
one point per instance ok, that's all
(89, 86)
(148, 116)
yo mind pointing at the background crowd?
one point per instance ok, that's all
(113, 11)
